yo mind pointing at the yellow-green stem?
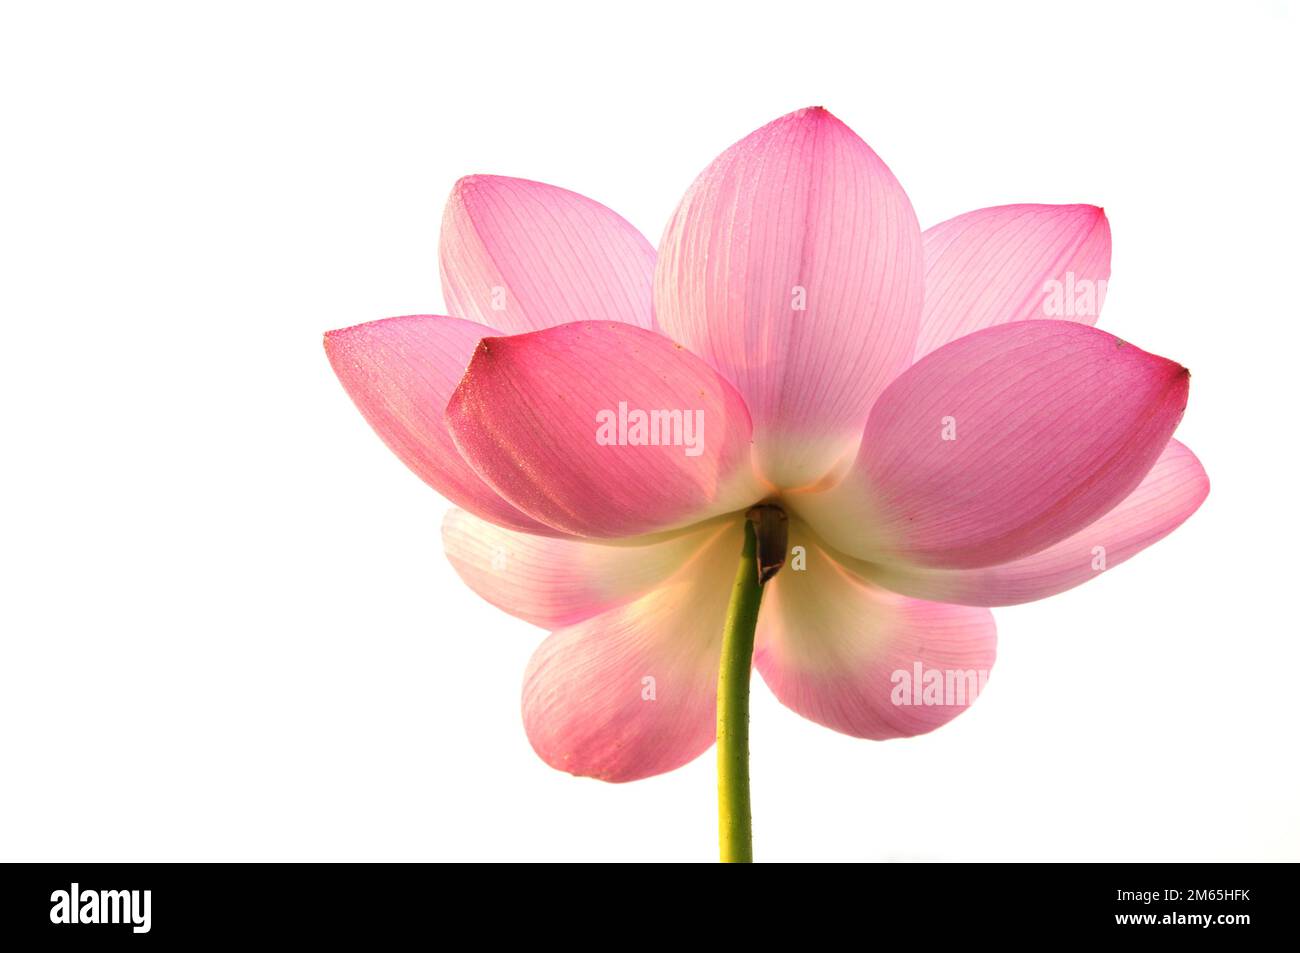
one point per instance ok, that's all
(735, 834)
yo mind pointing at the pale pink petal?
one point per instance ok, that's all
(1013, 263)
(630, 693)
(1000, 444)
(541, 417)
(793, 265)
(522, 256)
(1170, 493)
(863, 660)
(554, 582)
(400, 373)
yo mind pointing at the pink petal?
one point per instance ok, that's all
(1013, 263)
(554, 582)
(522, 256)
(799, 212)
(831, 646)
(1054, 424)
(400, 373)
(539, 416)
(1169, 494)
(630, 693)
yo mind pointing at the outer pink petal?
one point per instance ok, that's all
(832, 646)
(522, 256)
(793, 265)
(400, 373)
(1054, 423)
(1170, 493)
(529, 416)
(554, 582)
(630, 693)
(1013, 263)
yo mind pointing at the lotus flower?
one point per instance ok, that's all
(930, 416)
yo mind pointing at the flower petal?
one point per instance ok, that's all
(832, 646)
(558, 421)
(793, 266)
(1013, 263)
(554, 582)
(400, 373)
(522, 256)
(630, 693)
(1170, 493)
(1000, 444)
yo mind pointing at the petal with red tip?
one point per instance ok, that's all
(1000, 444)
(522, 256)
(1170, 493)
(1013, 263)
(400, 373)
(604, 430)
(793, 266)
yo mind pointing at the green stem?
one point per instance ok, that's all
(735, 835)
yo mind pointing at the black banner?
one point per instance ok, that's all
(97, 904)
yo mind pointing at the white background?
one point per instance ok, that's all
(229, 631)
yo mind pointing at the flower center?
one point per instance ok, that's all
(771, 534)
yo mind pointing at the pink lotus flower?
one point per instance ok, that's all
(931, 411)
